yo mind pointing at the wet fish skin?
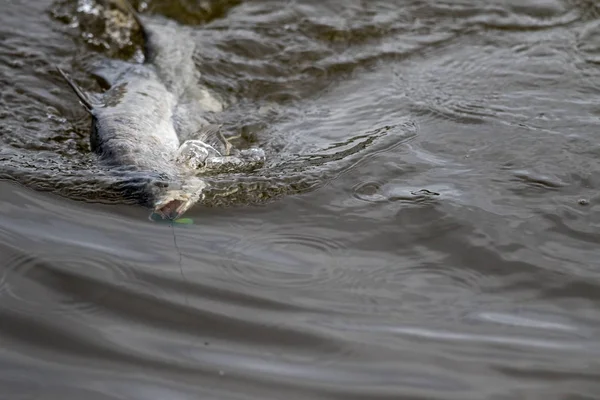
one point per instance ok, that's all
(147, 108)
(133, 124)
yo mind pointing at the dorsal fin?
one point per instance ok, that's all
(83, 98)
(108, 71)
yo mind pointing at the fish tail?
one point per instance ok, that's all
(83, 98)
(126, 7)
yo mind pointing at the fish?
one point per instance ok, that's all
(150, 120)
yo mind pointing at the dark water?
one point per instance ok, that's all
(359, 282)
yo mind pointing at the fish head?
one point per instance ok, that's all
(172, 201)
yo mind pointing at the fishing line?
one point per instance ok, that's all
(191, 344)
(180, 260)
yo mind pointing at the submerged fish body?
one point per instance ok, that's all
(138, 123)
(133, 124)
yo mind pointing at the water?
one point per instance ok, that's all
(431, 226)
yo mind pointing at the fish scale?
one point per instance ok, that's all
(137, 123)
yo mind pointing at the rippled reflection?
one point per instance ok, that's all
(426, 227)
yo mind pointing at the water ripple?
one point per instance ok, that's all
(445, 245)
(276, 257)
(67, 284)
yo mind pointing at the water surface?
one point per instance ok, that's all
(437, 237)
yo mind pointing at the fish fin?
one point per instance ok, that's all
(83, 98)
(126, 7)
(226, 143)
(212, 135)
(108, 72)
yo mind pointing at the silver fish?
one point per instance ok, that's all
(139, 120)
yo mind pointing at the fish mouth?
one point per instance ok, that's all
(172, 204)
(171, 210)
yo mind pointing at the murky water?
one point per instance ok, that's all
(432, 226)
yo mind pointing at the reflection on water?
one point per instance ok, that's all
(432, 226)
